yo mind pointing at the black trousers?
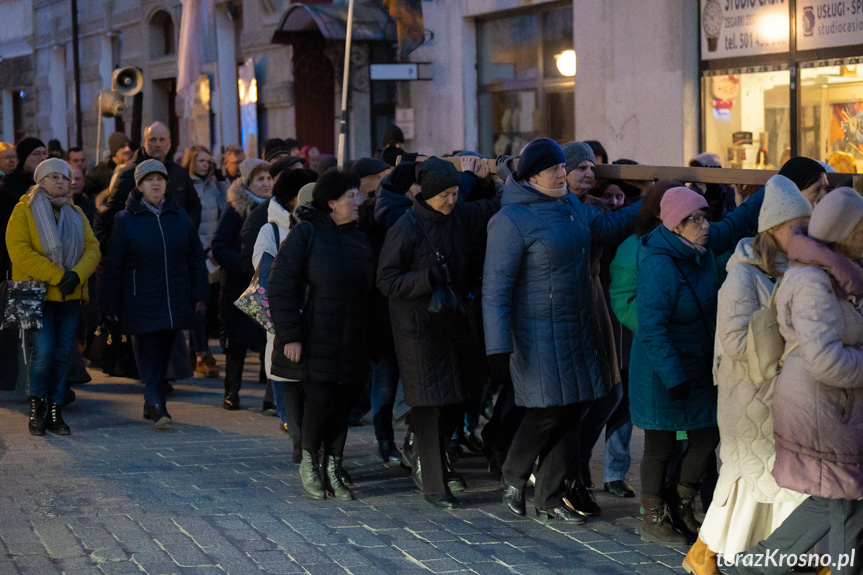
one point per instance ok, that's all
(295, 402)
(658, 450)
(543, 433)
(505, 420)
(235, 361)
(325, 415)
(434, 427)
(152, 353)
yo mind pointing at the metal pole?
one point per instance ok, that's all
(343, 122)
(79, 137)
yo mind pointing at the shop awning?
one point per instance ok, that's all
(372, 22)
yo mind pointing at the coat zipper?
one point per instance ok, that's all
(134, 283)
(167, 283)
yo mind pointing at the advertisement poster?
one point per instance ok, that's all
(828, 24)
(846, 129)
(734, 28)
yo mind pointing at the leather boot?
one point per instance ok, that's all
(700, 560)
(513, 497)
(310, 476)
(37, 416)
(682, 514)
(55, 423)
(333, 481)
(657, 527)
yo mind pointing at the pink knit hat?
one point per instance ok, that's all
(678, 204)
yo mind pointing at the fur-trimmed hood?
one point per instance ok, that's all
(241, 199)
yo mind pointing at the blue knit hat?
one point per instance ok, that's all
(539, 155)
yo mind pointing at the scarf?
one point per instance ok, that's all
(553, 192)
(700, 249)
(256, 199)
(155, 208)
(846, 274)
(62, 239)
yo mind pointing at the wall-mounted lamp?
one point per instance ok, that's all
(566, 62)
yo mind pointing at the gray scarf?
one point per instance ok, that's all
(62, 239)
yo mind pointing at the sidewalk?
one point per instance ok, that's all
(217, 493)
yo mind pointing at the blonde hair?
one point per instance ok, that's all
(5, 146)
(765, 247)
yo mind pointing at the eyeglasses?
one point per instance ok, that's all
(697, 219)
(57, 178)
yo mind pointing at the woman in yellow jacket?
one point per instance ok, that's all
(50, 240)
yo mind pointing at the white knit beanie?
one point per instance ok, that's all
(51, 166)
(836, 215)
(782, 202)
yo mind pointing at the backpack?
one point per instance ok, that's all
(766, 349)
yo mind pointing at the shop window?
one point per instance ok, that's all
(747, 118)
(526, 80)
(831, 115)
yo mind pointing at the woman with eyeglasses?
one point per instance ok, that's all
(50, 240)
(671, 381)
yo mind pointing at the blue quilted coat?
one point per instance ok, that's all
(674, 342)
(537, 302)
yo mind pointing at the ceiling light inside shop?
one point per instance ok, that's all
(566, 62)
(773, 27)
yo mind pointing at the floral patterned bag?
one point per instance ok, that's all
(22, 304)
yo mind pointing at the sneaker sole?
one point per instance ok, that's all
(163, 422)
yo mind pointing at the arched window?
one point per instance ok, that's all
(162, 35)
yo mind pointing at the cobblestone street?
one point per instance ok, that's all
(217, 493)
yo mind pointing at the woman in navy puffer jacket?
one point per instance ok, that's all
(154, 275)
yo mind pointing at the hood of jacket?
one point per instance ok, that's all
(240, 199)
(745, 254)
(136, 206)
(279, 215)
(664, 241)
(387, 200)
(518, 192)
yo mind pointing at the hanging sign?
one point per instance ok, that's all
(734, 28)
(829, 24)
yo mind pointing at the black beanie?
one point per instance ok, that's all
(539, 155)
(402, 178)
(25, 147)
(288, 184)
(363, 167)
(393, 135)
(435, 176)
(802, 171)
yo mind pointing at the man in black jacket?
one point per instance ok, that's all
(157, 146)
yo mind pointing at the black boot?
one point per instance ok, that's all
(657, 527)
(333, 481)
(682, 515)
(55, 423)
(37, 416)
(408, 450)
(310, 476)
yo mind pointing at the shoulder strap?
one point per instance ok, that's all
(438, 256)
(694, 296)
(276, 234)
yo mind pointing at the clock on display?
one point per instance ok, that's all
(711, 22)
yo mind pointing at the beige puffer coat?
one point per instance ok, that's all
(744, 409)
(818, 398)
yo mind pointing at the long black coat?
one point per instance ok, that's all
(236, 271)
(155, 271)
(332, 327)
(14, 185)
(431, 364)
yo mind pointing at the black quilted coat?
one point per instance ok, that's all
(333, 325)
(433, 361)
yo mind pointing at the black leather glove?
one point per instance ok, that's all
(498, 366)
(437, 275)
(679, 392)
(68, 283)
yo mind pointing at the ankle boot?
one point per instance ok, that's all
(37, 416)
(700, 560)
(333, 481)
(310, 476)
(55, 423)
(682, 514)
(657, 527)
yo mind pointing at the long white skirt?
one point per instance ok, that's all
(742, 521)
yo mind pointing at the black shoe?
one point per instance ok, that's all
(444, 501)
(454, 450)
(562, 513)
(333, 483)
(581, 500)
(269, 408)
(408, 454)
(231, 403)
(160, 416)
(68, 397)
(55, 423)
(356, 419)
(417, 473)
(472, 441)
(310, 476)
(169, 388)
(513, 498)
(146, 411)
(619, 488)
(297, 456)
(388, 452)
(36, 425)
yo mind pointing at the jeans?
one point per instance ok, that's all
(278, 388)
(52, 345)
(153, 353)
(617, 454)
(385, 381)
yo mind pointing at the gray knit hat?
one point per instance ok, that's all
(51, 166)
(836, 215)
(782, 202)
(576, 153)
(435, 176)
(147, 167)
(248, 166)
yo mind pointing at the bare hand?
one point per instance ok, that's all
(293, 351)
(482, 168)
(468, 163)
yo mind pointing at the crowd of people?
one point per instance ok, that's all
(706, 315)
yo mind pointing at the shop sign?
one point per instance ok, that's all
(829, 24)
(734, 28)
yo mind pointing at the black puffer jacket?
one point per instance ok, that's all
(431, 364)
(333, 325)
